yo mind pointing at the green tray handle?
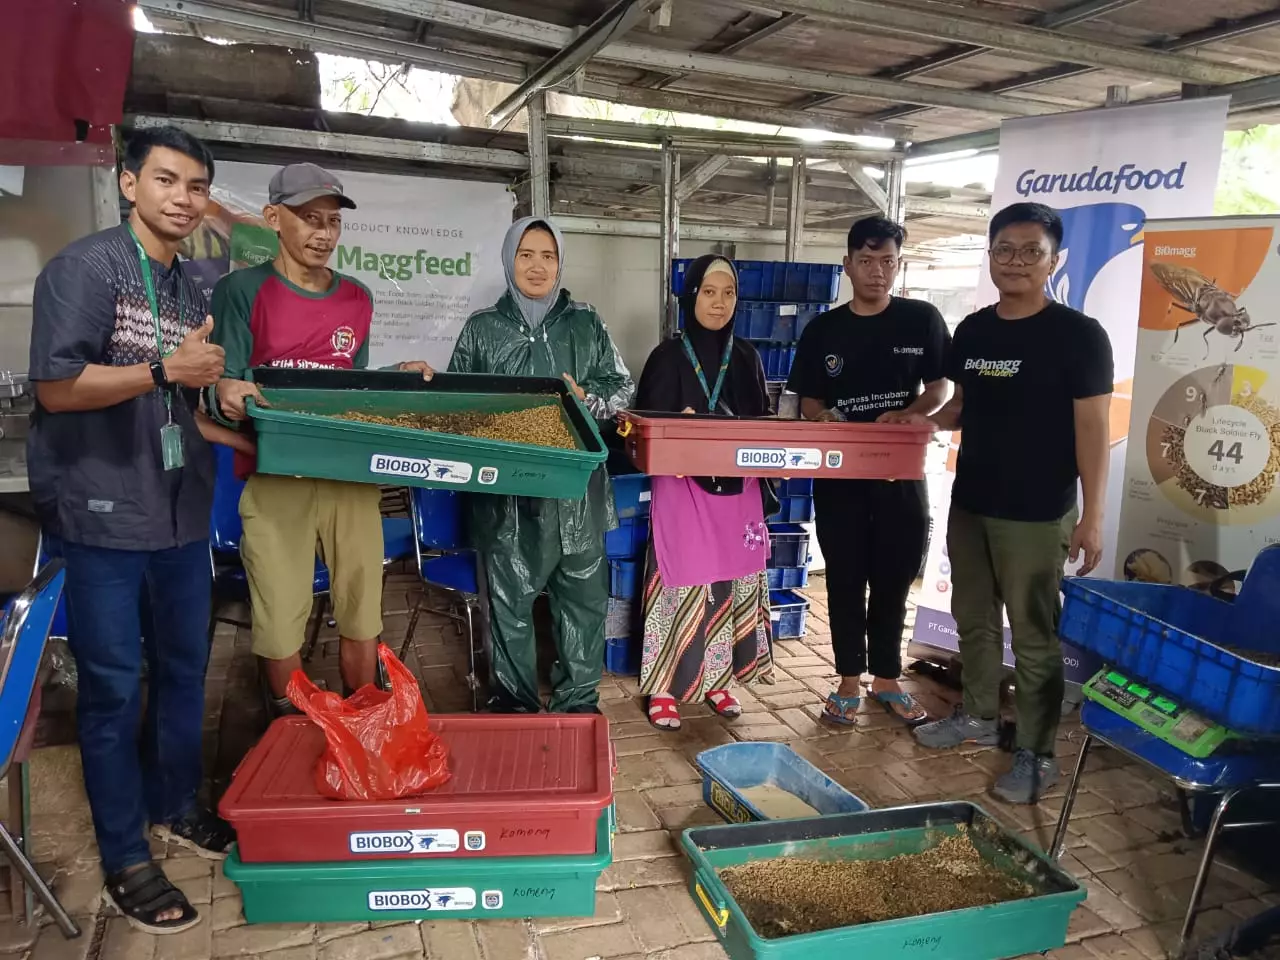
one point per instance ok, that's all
(717, 910)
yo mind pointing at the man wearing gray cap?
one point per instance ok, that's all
(296, 312)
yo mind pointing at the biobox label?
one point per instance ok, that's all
(404, 841)
(779, 458)
(441, 471)
(439, 898)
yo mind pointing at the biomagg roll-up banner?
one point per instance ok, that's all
(429, 250)
(1202, 484)
(1107, 172)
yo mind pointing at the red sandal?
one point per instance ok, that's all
(724, 703)
(664, 714)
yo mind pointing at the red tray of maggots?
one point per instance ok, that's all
(520, 786)
(674, 444)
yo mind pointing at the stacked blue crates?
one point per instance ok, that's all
(776, 301)
(625, 548)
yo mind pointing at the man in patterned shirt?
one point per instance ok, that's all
(122, 479)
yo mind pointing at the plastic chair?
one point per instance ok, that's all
(230, 581)
(58, 629)
(444, 564)
(26, 624)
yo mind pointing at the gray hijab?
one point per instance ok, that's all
(534, 310)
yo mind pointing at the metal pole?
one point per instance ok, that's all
(539, 165)
(895, 188)
(670, 237)
(771, 192)
(795, 210)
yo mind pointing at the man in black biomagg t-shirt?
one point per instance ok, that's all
(879, 357)
(1032, 400)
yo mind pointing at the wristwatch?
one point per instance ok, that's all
(158, 374)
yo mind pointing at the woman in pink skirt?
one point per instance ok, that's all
(706, 598)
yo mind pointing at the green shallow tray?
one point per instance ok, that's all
(448, 888)
(1012, 929)
(297, 436)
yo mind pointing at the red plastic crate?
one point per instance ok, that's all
(521, 786)
(704, 446)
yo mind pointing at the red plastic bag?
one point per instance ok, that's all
(379, 745)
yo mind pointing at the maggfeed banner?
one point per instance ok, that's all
(1106, 172)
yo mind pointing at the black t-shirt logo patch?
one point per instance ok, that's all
(834, 364)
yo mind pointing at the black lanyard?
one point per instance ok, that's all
(713, 396)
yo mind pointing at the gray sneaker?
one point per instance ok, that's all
(1030, 777)
(957, 729)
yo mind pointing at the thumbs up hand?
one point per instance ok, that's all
(197, 362)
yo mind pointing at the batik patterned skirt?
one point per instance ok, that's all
(699, 639)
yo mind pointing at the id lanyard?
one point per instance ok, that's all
(713, 396)
(171, 452)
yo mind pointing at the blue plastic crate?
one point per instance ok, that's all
(787, 578)
(788, 611)
(762, 280)
(734, 767)
(622, 655)
(1174, 638)
(807, 315)
(794, 510)
(788, 545)
(762, 320)
(628, 541)
(625, 578)
(631, 495)
(812, 282)
(777, 359)
(796, 487)
(808, 283)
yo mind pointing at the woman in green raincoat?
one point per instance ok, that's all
(528, 544)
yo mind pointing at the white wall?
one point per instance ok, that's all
(55, 208)
(619, 277)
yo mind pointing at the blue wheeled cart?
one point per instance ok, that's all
(1191, 689)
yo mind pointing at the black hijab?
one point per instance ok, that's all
(669, 382)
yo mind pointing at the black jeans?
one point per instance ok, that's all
(872, 533)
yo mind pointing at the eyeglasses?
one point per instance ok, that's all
(1005, 254)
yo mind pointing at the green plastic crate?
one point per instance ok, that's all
(298, 436)
(444, 889)
(1033, 925)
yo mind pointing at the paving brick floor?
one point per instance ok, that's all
(1125, 842)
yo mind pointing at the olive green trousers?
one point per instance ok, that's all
(1014, 566)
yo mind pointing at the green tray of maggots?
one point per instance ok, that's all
(449, 888)
(300, 434)
(1032, 925)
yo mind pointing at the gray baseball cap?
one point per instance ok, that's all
(300, 183)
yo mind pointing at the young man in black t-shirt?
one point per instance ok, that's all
(1033, 382)
(879, 357)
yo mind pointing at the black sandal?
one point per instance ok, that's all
(203, 833)
(143, 894)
